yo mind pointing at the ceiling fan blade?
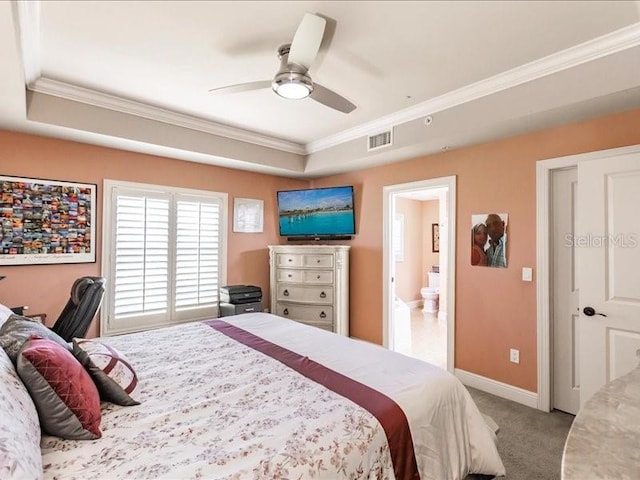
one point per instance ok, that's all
(306, 42)
(243, 87)
(325, 45)
(331, 99)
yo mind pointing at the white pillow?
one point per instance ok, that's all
(5, 312)
(20, 455)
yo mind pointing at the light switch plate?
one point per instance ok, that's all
(527, 274)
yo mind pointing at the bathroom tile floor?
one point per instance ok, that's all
(428, 338)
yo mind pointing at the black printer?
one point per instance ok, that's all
(237, 299)
(240, 294)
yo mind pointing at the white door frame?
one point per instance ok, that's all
(387, 256)
(543, 220)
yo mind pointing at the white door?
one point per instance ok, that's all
(608, 257)
(565, 314)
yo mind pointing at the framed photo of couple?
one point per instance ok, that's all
(489, 239)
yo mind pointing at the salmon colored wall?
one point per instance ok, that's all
(409, 271)
(45, 288)
(495, 310)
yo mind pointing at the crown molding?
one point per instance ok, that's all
(88, 96)
(614, 42)
(28, 16)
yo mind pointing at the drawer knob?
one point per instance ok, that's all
(323, 315)
(318, 260)
(290, 260)
(323, 295)
(289, 275)
(285, 311)
(318, 277)
(286, 293)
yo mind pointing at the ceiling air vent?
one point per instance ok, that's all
(380, 140)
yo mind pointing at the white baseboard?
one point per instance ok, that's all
(515, 394)
(414, 303)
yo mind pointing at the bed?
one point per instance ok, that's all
(259, 396)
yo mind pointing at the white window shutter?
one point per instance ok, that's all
(197, 254)
(141, 256)
(163, 254)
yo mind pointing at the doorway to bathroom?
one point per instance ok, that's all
(419, 269)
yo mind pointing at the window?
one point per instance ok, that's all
(163, 255)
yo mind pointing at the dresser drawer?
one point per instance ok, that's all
(286, 275)
(320, 260)
(319, 316)
(325, 326)
(317, 276)
(303, 260)
(305, 294)
(304, 276)
(289, 260)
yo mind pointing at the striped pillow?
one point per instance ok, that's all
(112, 373)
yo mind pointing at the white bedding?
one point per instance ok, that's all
(215, 408)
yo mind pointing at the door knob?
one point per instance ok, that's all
(590, 312)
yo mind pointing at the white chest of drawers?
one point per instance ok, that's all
(310, 284)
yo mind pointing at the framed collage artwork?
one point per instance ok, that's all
(46, 221)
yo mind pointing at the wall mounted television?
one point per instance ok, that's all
(316, 213)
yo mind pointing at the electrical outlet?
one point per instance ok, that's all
(514, 355)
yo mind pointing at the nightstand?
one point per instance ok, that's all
(19, 310)
(38, 317)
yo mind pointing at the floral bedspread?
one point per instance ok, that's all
(214, 408)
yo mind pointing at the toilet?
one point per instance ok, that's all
(431, 293)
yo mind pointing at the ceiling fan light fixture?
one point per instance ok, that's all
(292, 85)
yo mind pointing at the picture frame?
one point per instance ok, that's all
(46, 221)
(489, 239)
(248, 215)
(435, 238)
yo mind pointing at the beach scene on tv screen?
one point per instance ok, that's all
(316, 212)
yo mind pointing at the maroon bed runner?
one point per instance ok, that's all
(389, 414)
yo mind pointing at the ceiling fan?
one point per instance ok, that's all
(293, 80)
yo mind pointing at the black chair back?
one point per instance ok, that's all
(86, 298)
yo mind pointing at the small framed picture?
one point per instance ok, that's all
(435, 237)
(248, 215)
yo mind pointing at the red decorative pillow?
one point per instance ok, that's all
(66, 398)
